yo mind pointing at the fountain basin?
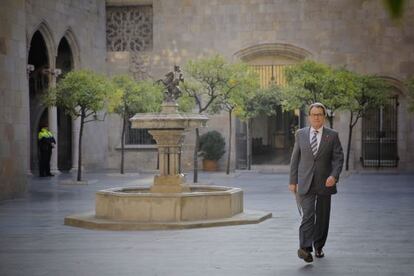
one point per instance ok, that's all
(137, 204)
(137, 208)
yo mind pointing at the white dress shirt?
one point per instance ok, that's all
(318, 136)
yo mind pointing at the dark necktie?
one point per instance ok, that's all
(314, 143)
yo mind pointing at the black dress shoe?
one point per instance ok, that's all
(305, 255)
(50, 174)
(319, 253)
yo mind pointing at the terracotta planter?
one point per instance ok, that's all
(209, 165)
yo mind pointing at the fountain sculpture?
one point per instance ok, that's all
(170, 203)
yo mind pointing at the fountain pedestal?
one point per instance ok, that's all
(170, 179)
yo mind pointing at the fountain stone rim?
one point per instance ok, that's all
(214, 190)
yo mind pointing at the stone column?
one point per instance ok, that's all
(53, 126)
(52, 116)
(169, 142)
(30, 68)
(75, 143)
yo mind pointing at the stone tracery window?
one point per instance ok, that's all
(129, 28)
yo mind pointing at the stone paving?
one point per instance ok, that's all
(371, 231)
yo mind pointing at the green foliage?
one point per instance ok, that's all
(212, 145)
(260, 102)
(216, 84)
(370, 92)
(294, 97)
(410, 96)
(395, 7)
(306, 85)
(132, 97)
(337, 89)
(239, 85)
(185, 103)
(208, 72)
(80, 93)
(339, 85)
(203, 78)
(310, 82)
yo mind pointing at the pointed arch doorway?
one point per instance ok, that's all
(64, 62)
(38, 59)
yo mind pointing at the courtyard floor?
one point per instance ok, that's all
(372, 231)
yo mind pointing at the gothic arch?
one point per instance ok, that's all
(47, 35)
(273, 49)
(74, 46)
(395, 83)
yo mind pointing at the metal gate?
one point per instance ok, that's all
(379, 136)
(241, 145)
(270, 74)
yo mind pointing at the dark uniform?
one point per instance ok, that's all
(46, 141)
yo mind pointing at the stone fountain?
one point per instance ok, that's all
(170, 203)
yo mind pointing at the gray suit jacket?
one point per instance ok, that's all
(328, 161)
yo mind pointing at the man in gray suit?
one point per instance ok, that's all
(315, 165)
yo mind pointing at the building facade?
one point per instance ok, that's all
(41, 40)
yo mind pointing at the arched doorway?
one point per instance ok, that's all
(64, 62)
(39, 81)
(271, 137)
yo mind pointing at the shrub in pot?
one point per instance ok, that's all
(212, 146)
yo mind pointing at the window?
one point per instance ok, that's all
(138, 136)
(129, 28)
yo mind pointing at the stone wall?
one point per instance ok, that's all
(13, 100)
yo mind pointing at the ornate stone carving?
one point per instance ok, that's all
(129, 28)
(140, 65)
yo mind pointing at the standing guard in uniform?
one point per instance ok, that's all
(46, 144)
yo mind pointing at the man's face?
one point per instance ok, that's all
(316, 117)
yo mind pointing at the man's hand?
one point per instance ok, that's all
(330, 181)
(293, 188)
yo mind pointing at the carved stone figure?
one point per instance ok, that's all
(171, 83)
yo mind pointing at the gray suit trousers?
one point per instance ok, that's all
(316, 209)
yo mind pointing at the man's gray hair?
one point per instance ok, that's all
(317, 105)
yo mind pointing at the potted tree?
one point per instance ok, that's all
(211, 149)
